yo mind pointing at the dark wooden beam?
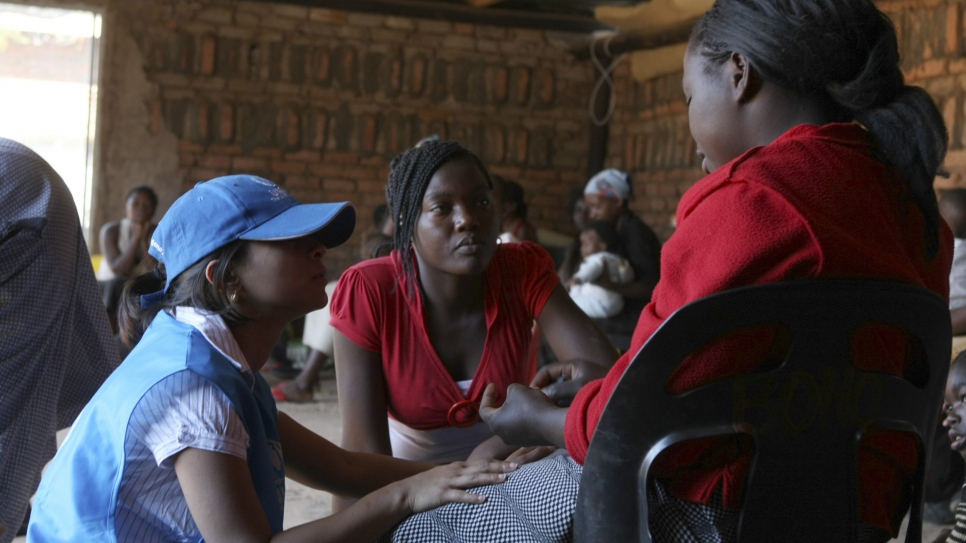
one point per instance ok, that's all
(637, 41)
(424, 9)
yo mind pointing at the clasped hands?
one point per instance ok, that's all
(531, 416)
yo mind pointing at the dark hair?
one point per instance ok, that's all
(409, 175)
(379, 215)
(191, 288)
(607, 233)
(512, 193)
(146, 190)
(845, 54)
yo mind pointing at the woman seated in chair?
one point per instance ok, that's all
(820, 164)
(420, 333)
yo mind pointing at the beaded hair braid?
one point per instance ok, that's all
(409, 175)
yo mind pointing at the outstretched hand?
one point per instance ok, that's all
(447, 484)
(561, 381)
(527, 418)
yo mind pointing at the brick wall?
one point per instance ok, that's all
(320, 101)
(649, 131)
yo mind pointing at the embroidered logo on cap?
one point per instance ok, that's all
(276, 191)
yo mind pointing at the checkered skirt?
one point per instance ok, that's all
(536, 503)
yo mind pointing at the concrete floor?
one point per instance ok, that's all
(303, 504)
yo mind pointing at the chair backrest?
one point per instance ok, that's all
(806, 416)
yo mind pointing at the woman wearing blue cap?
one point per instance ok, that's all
(183, 442)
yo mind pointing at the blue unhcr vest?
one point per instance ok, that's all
(77, 498)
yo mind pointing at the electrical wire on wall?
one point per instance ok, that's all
(605, 76)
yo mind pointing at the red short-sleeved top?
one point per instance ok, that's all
(372, 307)
(813, 204)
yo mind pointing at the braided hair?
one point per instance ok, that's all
(409, 175)
(845, 54)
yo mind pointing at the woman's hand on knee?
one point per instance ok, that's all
(447, 484)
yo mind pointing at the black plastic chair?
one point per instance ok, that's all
(802, 485)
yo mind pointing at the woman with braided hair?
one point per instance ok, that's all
(422, 332)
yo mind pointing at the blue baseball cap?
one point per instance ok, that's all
(217, 212)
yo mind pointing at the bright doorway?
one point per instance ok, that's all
(48, 90)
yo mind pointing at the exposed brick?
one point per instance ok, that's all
(220, 162)
(290, 11)
(275, 53)
(309, 95)
(395, 76)
(439, 89)
(226, 122)
(459, 42)
(289, 128)
(326, 169)
(953, 25)
(229, 62)
(545, 86)
(372, 71)
(400, 23)
(222, 149)
(298, 63)
(317, 127)
(341, 158)
(219, 16)
(417, 75)
(322, 67)
(288, 166)
(339, 185)
(499, 77)
(327, 16)
(305, 155)
(521, 85)
(434, 27)
(370, 128)
(346, 69)
(521, 145)
(208, 47)
(365, 19)
(246, 163)
(157, 115)
(295, 182)
(204, 174)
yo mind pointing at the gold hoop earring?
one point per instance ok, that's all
(232, 297)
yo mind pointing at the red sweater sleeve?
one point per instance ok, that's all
(730, 234)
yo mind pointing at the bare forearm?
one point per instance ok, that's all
(345, 472)
(552, 425)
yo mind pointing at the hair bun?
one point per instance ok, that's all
(879, 81)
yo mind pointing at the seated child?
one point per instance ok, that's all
(955, 420)
(598, 240)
